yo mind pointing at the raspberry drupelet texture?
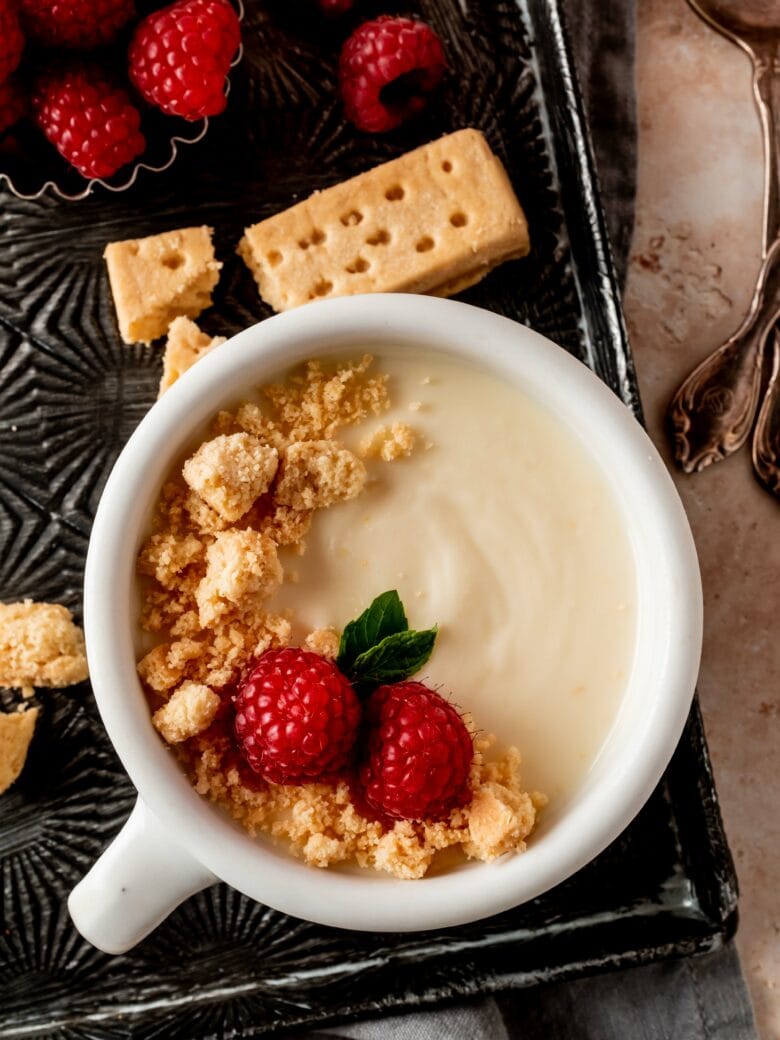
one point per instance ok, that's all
(297, 717)
(78, 24)
(90, 121)
(419, 753)
(180, 57)
(13, 103)
(387, 68)
(11, 39)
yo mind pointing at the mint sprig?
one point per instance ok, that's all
(379, 647)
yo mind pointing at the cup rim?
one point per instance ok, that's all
(271, 875)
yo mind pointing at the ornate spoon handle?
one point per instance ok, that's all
(766, 88)
(712, 413)
(766, 439)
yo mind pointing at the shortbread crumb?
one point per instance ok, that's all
(230, 473)
(389, 443)
(40, 646)
(317, 474)
(159, 278)
(184, 345)
(16, 733)
(190, 710)
(322, 826)
(242, 570)
(323, 641)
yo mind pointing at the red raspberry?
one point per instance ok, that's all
(419, 753)
(90, 122)
(180, 56)
(13, 103)
(297, 717)
(335, 7)
(81, 24)
(11, 39)
(386, 69)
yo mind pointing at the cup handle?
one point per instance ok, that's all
(140, 878)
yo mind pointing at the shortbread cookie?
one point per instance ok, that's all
(159, 278)
(434, 221)
(40, 646)
(16, 733)
(184, 345)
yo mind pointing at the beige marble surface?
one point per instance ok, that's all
(693, 267)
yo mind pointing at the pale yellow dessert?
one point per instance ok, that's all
(159, 278)
(209, 588)
(16, 733)
(40, 646)
(184, 345)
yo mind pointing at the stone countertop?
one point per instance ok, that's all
(694, 261)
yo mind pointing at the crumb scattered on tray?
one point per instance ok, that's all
(40, 646)
(184, 345)
(16, 733)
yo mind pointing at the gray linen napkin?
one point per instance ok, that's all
(701, 998)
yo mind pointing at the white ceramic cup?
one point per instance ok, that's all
(175, 843)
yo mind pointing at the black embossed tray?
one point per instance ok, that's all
(71, 393)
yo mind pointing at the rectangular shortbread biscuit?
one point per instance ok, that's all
(435, 221)
(159, 278)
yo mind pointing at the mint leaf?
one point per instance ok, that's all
(385, 617)
(396, 657)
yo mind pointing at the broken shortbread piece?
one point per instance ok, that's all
(185, 344)
(40, 646)
(323, 641)
(435, 220)
(242, 570)
(230, 472)
(16, 733)
(389, 443)
(190, 710)
(159, 278)
(316, 474)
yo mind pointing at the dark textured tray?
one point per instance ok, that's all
(71, 393)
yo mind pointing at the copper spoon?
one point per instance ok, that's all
(712, 413)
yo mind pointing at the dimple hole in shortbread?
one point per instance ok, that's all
(395, 193)
(351, 219)
(459, 219)
(425, 244)
(380, 238)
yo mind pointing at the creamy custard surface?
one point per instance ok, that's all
(501, 529)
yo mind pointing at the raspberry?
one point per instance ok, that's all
(335, 7)
(80, 24)
(386, 69)
(11, 39)
(419, 753)
(90, 122)
(297, 717)
(180, 56)
(13, 103)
